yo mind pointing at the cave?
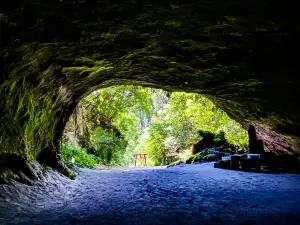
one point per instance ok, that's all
(239, 54)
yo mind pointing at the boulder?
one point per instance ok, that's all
(255, 146)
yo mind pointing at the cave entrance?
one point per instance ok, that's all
(110, 125)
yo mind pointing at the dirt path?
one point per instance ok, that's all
(193, 194)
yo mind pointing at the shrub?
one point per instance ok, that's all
(82, 158)
(109, 148)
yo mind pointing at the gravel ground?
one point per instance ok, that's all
(190, 194)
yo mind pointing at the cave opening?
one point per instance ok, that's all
(110, 125)
(52, 53)
(239, 54)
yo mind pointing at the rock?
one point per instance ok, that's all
(36, 170)
(17, 168)
(255, 146)
(214, 143)
(208, 155)
(217, 165)
(45, 72)
(7, 176)
(252, 134)
(207, 141)
(290, 163)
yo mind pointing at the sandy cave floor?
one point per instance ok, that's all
(190, 194)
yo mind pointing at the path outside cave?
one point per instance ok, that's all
(192, 194)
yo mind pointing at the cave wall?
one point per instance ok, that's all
(237, 53)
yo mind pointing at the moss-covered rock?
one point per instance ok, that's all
(211, 140)
(237, 53)
(209, 155)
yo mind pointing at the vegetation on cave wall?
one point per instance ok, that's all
(112, 124)
(53, 52)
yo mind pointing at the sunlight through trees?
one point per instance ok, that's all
(112, 124)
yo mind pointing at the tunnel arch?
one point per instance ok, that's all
(236, 54)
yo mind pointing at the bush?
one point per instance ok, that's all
(109, 148)
(82, 158)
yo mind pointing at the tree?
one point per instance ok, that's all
(113, 123)
(106, 122)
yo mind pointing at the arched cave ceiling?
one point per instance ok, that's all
(241, 54)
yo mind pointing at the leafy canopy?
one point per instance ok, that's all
(113, 123)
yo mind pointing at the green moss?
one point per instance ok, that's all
(46, 168)
(72, 175)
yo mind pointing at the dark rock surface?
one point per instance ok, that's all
(14, 168)
(192, 194)
(237, 53)
(255, 145)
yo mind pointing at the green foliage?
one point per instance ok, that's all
(120, 121)
(109, 122)
(216, 50)
(210, 157)
(107, 147)
(82, 158)
(204, 115)
(72, 175)
(184, 117)
(154, 144)
(202, 156)
(219, 139)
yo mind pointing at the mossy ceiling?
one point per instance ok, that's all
(238, 53)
